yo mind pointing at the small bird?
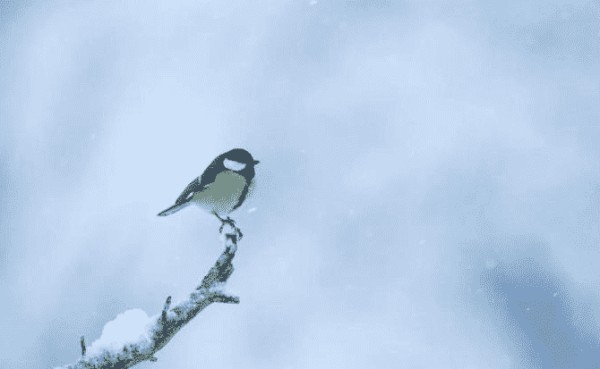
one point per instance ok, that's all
(222, 187)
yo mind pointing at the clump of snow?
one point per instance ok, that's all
(131, 326)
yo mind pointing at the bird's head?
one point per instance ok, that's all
(238, 160)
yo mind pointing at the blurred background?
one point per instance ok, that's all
(428, 194)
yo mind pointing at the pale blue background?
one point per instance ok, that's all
(428, 195)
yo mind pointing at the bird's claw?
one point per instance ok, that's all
(227, 220)
(231, 223)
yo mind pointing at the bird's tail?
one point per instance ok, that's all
(173, 209)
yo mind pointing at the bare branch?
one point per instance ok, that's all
(171, 319)
(166, 307)
(82, 343)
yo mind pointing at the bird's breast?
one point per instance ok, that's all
(223, 194)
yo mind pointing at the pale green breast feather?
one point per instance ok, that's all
(223, 194)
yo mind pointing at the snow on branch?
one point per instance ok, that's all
(133, 337)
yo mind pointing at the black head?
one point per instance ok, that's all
(238, 160)
(240, 156)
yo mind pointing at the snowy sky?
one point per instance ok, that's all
(428, 194)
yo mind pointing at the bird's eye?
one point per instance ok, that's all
(233, 165)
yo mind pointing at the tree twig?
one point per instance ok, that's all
(171, 319)
(82, 344)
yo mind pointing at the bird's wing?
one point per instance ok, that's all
(199, 184)
(189, 191)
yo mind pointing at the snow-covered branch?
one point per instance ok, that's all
(134, 337)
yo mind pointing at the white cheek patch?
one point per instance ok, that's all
(233, 165)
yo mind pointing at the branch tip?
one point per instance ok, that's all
(82, 344)
(166, 307)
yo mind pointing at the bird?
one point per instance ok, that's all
(222, 188)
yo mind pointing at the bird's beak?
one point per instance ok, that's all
(256, 162)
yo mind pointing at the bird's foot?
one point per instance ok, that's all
(231, 223)
(228, 221)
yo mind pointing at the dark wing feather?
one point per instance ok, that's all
(210, 173)
(194, 186)
(198, 184)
